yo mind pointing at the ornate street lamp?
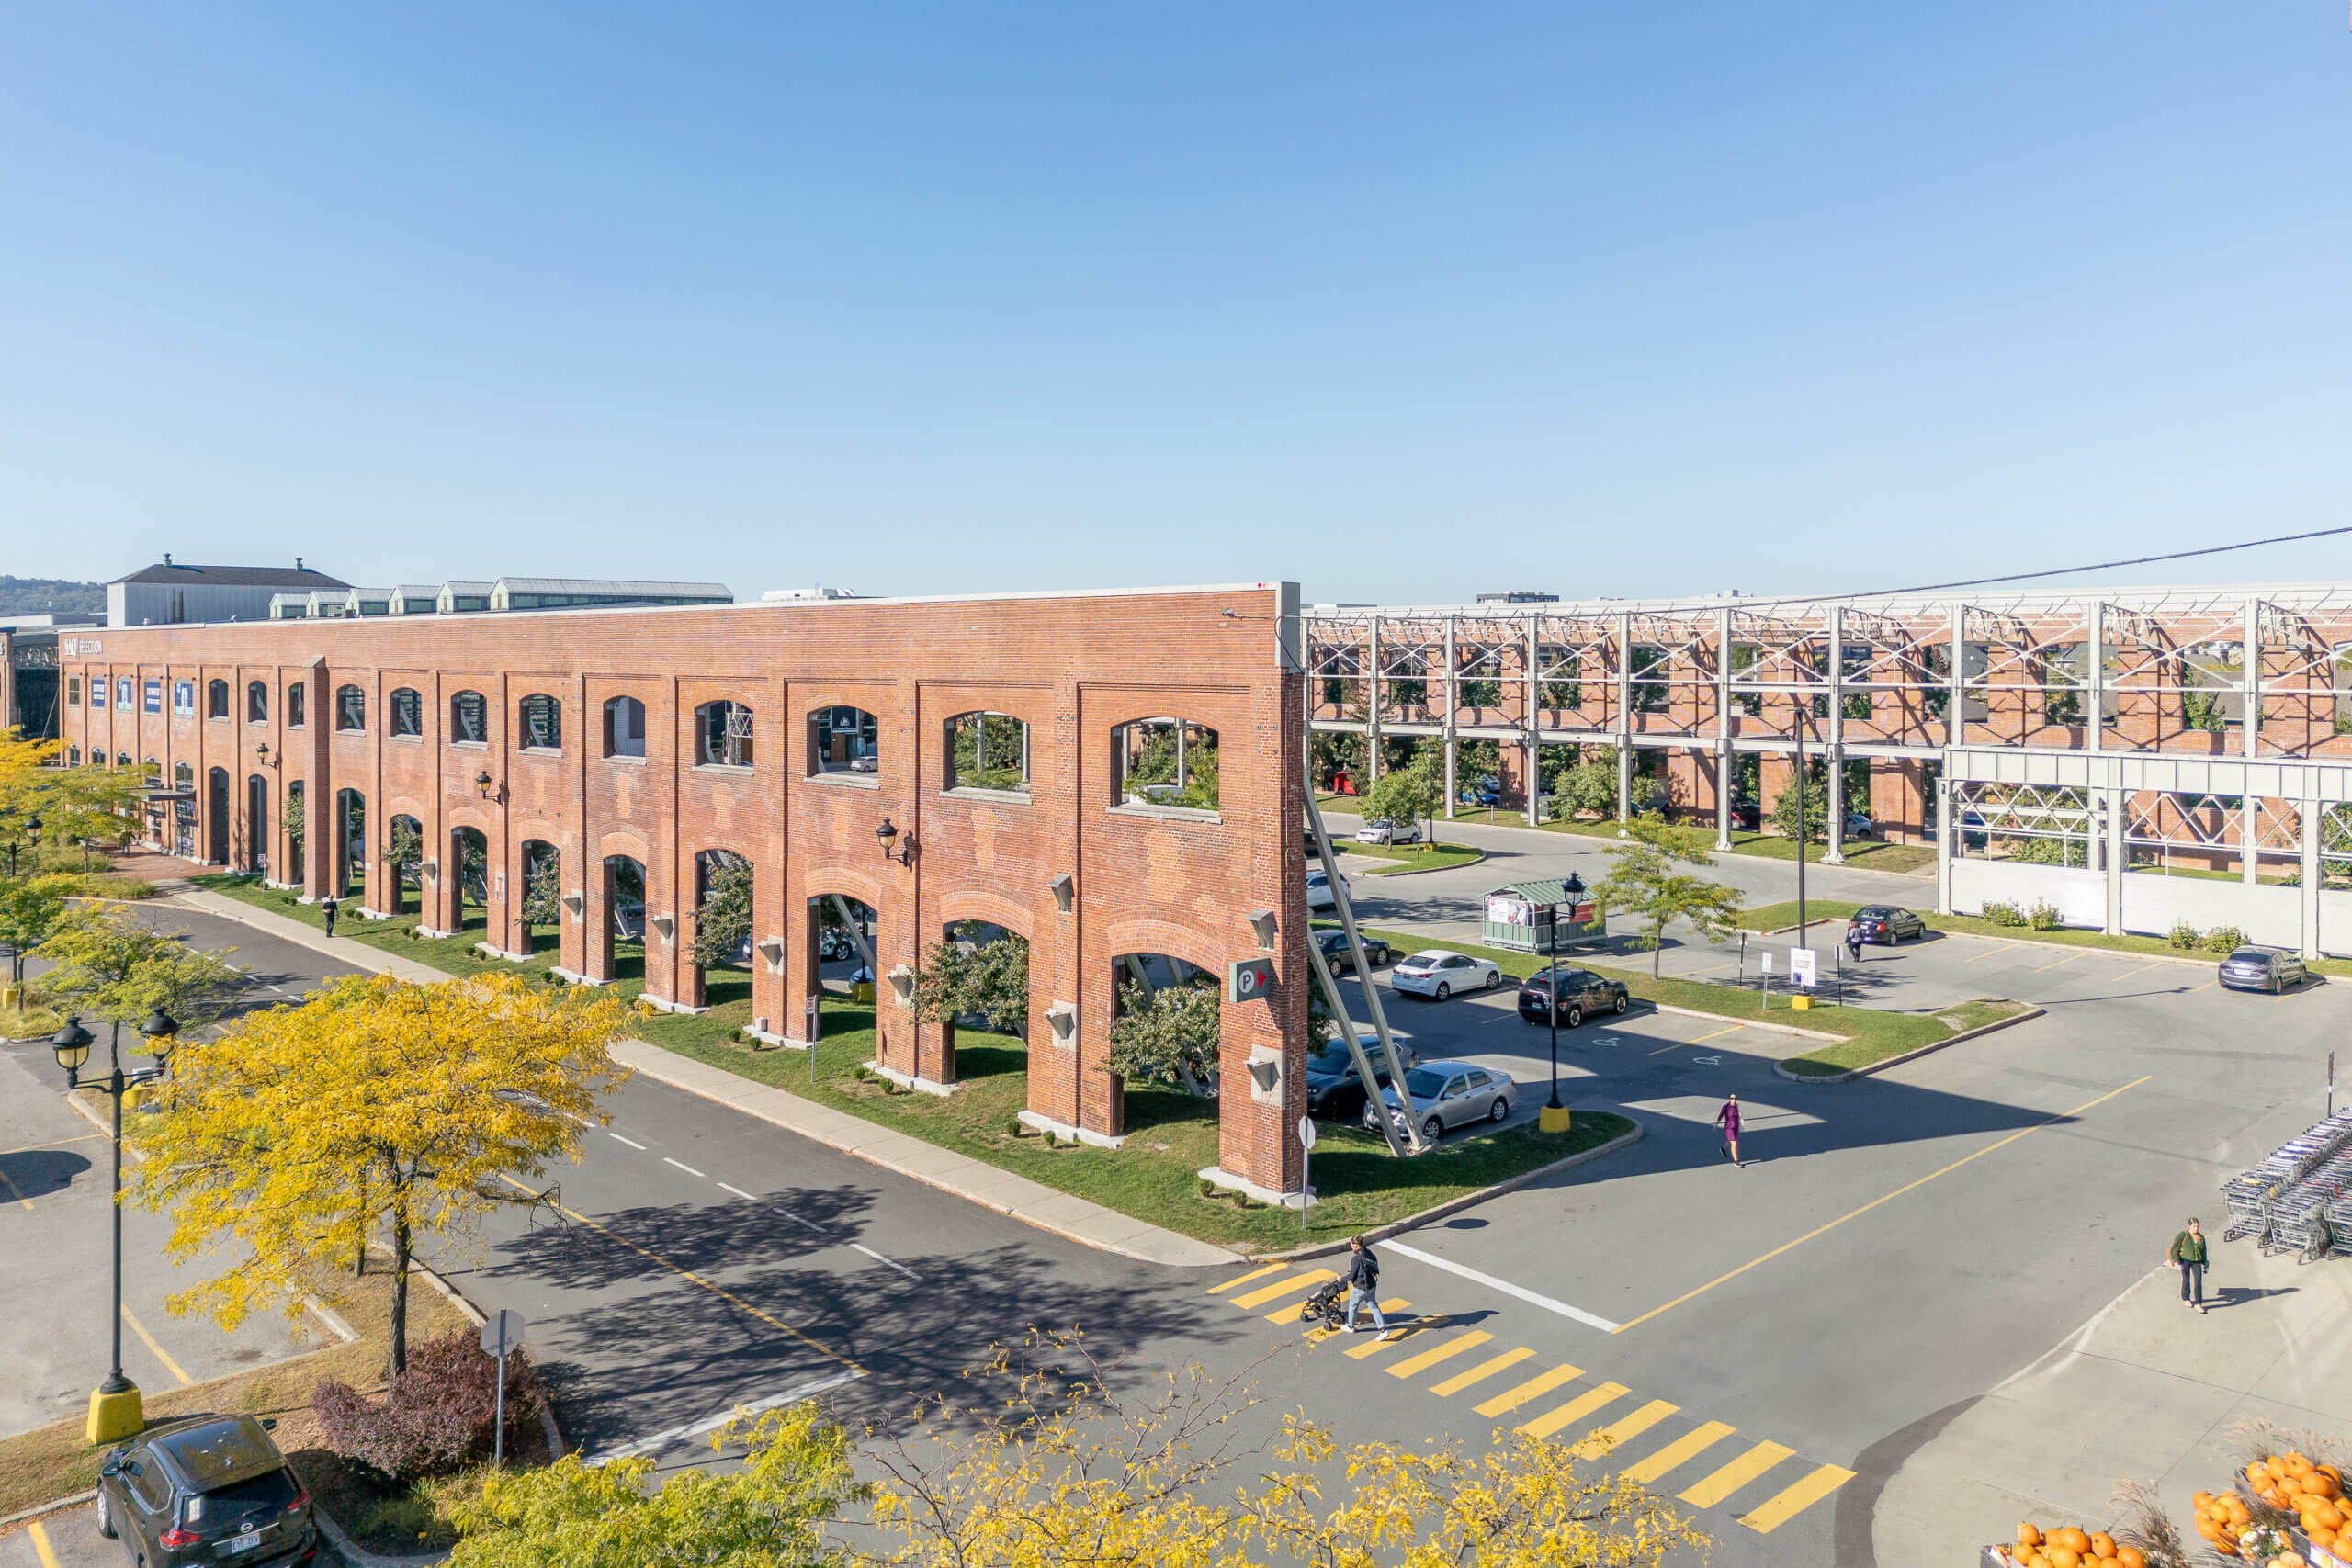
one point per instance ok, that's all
(482, 783)
(115, 1407)
(888, 835)
(1573, 888)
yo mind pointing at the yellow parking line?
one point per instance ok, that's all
(41, 1544)
(1676, 1453)
(169, 1365)
(1253, 1274)
(53, 1144)
(1995, 953)
(2206, 986)
(17, 1190)
(1714, 1488)
(1779, 1509)
(1576, 1409)
(1431, 1357)
(1304, 1280)
(1482, 1371)
(2142, 970)
(1633, 1426)
(1532, 1388)
(1856, 1213)
(1701, 1040)
(2085, 952)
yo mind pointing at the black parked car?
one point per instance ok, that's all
(1887, 924)
(206, 1491)
(2262, 969)
(1746, 815)
(1333, 947)
(1583, 995)
(1334, 1092)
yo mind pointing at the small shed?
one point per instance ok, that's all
(1541, 914)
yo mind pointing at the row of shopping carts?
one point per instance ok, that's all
(2298, 1200)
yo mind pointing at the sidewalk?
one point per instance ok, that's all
(2146, 1389)
(358, 954)
(1089, 1224)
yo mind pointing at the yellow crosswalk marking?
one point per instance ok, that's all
(1737, 1474)
(1388, 1308)
(1576, 1409)
(1633, 1426)
(1785, 1506)
(1482, 1371)
(1431, 1358)
(1290, 1314)
(1304, 1280)
(1383, 1341)
(1534, 1388)
(1245, 1278)
(1676, 1453)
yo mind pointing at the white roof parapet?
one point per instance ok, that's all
(616, 588)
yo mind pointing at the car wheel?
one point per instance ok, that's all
(1432, 1130)
(1337, 968)
(106, 1517)
(1498, 1111)
(1621, 1003)
(1494, 978)
(1443, 990)
(1572, 1015)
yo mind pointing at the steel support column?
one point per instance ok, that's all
(1834, 762)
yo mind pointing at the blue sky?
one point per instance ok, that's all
(1404, 303)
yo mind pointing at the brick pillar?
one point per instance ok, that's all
(1082, 1076)
(798, 981)
(596, 919)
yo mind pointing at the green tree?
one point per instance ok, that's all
(1410, 795)
(543, 889)
(1643, 882)
(1167, 1037)
(1816, 798)
(988, 979)
(1588, 785)
(110, 964)
(376, 1106)
(990, 752)
(30, 907)
(723, 920)
(405, 850)
(295, 821)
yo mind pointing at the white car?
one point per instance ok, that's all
(1440, 973)
(1318, 889)
(1380, 830)
(1860, 826)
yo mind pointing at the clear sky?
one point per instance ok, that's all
(1402, 302)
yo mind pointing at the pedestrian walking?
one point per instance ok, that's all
(1854, 942)
(1364, 1287)
(1728, 1119)
(327, 908)
(2187, 1254)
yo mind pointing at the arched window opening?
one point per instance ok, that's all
(216, 699)
(469, 853)
(542, 723)
(542, 894)
(350, 711)
(408, 712)
(257, 702)
(977, 979)
(122, 759)
(297, 702)
(723, 934)
(1165, 1026)
(844, 740)
(216, 815)
(257, 824)
(725, 735)
(182, 775)
(624, 728)
(154, 772)
(404, 858)
(988, 750)
(469, 720)
(1165, 761)
(73, 756)
(351, 840)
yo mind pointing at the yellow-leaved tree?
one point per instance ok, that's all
(71, 803)
(111, 965)
(377, 1105)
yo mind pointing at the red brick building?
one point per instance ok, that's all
(1137, 789)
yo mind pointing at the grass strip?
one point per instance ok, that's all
(1831, 1060)
(1778, 917)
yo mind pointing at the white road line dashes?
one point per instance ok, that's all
(861, 1246)
(738, 1192)
(690, 1170)
(633, 1143)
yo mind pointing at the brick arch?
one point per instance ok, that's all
(694, 856)
(528, 828)
(1194, 947)
(404, 805)
(482, 818)
(1013, 705)
(986, 904)
(863, 887)
(629, 844)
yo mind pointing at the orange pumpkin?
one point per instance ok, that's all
(2102, 1544)
(2029, 1535)
(2130, 1557)
(2202, 1501)
(2065, 1557)
(2208, 1527)
(2073, 1538)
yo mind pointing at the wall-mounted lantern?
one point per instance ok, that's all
(261, 753)
(1062, 888)
(482, 783)
(887, 835)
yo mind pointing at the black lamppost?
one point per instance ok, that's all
(30, 835)
(1574, 889)
(115, 1408)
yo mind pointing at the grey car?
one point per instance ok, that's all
(1449, 1094)
(208, 1490)
(2271, 969)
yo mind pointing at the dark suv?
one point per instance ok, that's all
(1582, 995)
(208, 1490)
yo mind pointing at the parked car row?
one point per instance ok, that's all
(1332, 947)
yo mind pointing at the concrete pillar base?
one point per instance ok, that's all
(1069, 1134)
(1550, 1121)
(1218, 1177)
(573, 976)
(114, 1417)
(908, 1080)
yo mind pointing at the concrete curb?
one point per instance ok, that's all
(27, 1516)
(1455, 1206)
(358, 954)
(1421, 870)
(1852, 1073)
(1792, 1028)
(358, 1556)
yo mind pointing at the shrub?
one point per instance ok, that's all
(2043, 916)
(2184, 935)
(1014, 1126)
(2001, 913)
(436, 1417)
(2221, 939)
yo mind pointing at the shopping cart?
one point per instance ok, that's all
(2299, 1221)
(2253, 1196)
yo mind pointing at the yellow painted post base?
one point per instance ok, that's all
(114, 1417)
(1802, 1002)
(1550, 1121)
(861, 991)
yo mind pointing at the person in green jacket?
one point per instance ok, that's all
(2187, 1254)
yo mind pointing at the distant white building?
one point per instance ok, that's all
(170, 593)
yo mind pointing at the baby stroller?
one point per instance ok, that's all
(1326, 1308)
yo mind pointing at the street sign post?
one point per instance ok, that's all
(502, 1331)
(1305, 1148)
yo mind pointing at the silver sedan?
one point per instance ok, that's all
(1448, 1094)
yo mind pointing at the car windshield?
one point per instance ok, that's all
(1872, 912)
(273, 1489)
(1425, 1085)
(1427, 959)
(1331, 940)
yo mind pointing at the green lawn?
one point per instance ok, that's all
(1870, 854)
(1774, 917)
(1171, 1137)
(1416, 857)
(1858, 1053)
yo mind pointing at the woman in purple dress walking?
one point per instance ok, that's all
(1728, 1119)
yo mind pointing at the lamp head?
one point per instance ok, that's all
(72, 1044)
(888, 835)
(481, 783)
(1574, 886)
(159, 1030)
